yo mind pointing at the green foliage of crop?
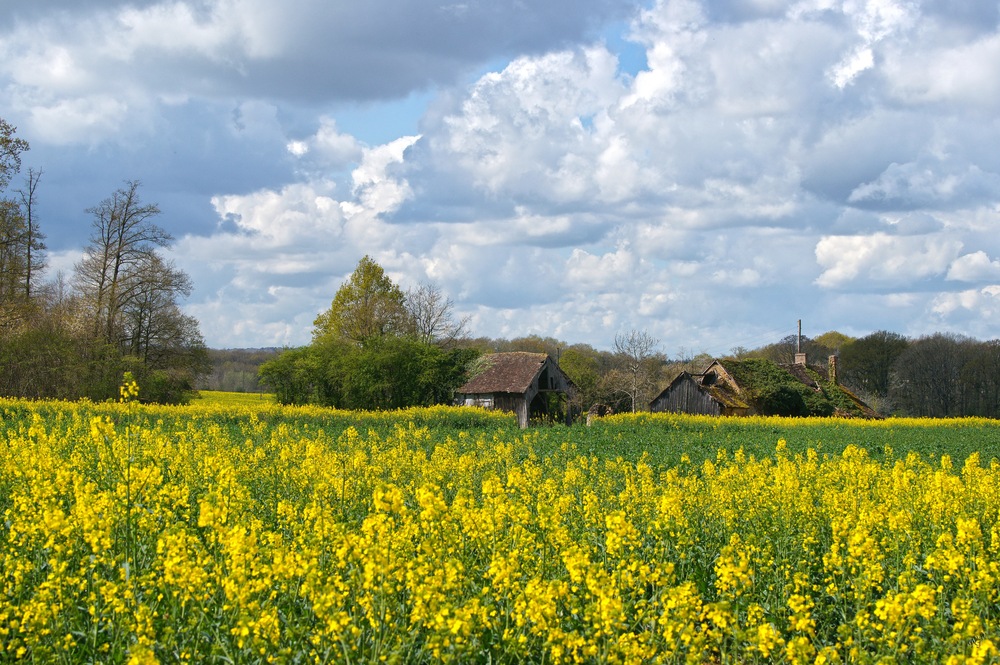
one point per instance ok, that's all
(243, 533)
(667, 437)
(224, 398)
(660, 438)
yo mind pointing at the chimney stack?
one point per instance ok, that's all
(800, 358)
(832, 369)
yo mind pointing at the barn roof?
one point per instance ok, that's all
(511, 372)
(725, 395)
(721, 391)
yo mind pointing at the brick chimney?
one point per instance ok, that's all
(832, 369)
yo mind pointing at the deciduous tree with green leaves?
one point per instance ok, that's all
(369, 351)
(368, 305)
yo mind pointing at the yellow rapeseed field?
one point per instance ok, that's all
(137, 534)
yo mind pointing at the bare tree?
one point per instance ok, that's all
(149, 309)
(123, 238)
(34, 245)
(129, 294)
(927, 376)
(637, 352)
(432, 315)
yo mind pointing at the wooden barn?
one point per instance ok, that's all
(519, 382)
(725, 389)
(713, 392)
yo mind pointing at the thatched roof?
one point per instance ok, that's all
(802, 375)
(724, 394)
(511, 372)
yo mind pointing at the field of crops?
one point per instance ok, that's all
(256, 533)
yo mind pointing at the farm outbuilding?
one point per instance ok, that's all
(519, 382)
(746, 387)
(712, 392)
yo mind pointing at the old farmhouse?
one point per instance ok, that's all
(746, 387)
(520, 382)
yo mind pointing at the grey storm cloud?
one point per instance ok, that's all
(302, 49)
(710, 170)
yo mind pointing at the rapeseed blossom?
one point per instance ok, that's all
(136, 534)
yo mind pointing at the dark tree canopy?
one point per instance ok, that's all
(866, 363)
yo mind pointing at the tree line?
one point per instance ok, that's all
(380, 347)
(76, 336)
(940, 375)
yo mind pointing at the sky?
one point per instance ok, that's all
(709, 172)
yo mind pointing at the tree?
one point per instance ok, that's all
(44, 359)
(122, 240)
(236, 370)
(11, 148)
(18, 235)
(981, 380)
(832, 340)
(129, 295)
(34, 239)
(296, 376)
(783, 352)
(431, 314)
(387, 372)
(865, 365)
(926, 377)
(150, 320)
(12, 256)
(637, 353)
(393, 372)
(368, 305)
(374, 349)
(581, 363)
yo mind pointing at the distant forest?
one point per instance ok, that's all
(235, 370)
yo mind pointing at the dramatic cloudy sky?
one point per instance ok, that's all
(709, 172)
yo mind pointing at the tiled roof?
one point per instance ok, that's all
(506, 373)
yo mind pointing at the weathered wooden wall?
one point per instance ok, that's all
(512, 402)
(685, 397)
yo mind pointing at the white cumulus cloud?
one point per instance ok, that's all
(881, 259)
